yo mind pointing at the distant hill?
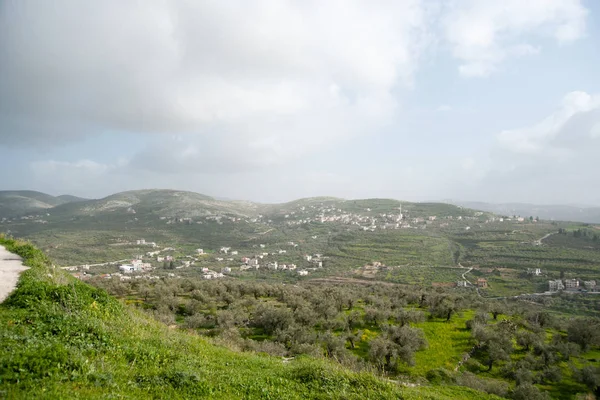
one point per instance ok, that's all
(184, 204)
(162, 203)
(21, 202)
(548, 212)
(67, 198)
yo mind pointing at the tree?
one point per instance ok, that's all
(589, 376)
(353, 337)
(396, 344)
(528, 340)
(334, 345)
(585, 332)
(404, 316)
(528, 392)
(271, 318)
(498, 308)
(495, 342)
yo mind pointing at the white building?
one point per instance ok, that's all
(571, 283)
(128, 268)
(303, 272)
(555, 285)
(199, 251)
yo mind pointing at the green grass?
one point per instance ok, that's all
(448, 341)
(62, 338)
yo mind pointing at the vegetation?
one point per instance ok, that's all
(65, 339)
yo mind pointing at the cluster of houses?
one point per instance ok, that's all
(142, 242)
(210, 274)
(368, 221)
(135, 266)
(254, 263)
(573, 285)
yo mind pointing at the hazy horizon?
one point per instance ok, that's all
(218, 197)
(415, 100)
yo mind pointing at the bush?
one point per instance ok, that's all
(440, 376)
(499, 388)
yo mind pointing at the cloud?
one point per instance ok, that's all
(485, 33)
(444, 108)
(554, 159)
(548, 135)
(273, 77)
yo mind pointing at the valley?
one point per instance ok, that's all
(402, 289)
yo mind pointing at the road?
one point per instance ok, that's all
(11, 267)
(540, 240)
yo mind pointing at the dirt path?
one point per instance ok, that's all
(540, 240)
(11, 267)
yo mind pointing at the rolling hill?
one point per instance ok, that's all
(21, 202)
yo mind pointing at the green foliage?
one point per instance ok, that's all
(64, 339)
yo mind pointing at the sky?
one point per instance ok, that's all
(273, 100)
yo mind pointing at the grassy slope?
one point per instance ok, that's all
(65, 339)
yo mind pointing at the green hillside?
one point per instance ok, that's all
(21, 202)
(65, 339)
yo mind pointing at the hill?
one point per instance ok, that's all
(65, 339)
(67, 198)
(159, 203)
(21, 202)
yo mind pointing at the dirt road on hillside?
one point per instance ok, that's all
(11, 267)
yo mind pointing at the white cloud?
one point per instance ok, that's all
(266, 75)
(485, 33)
(539, 137)
(444, 108)
(554, 159)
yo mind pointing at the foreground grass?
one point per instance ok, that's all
(62, 338)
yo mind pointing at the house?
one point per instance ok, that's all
(307, 257)
(199, 251)
(160, 259)
(589, 285)
(291, 267)
(556, 285)
(140, 241)
(262, 246)
(253, 262)
(245, 260)
(303, 272)
(482, 283)
(273, 266)
(534, 271)
(225, 250)
(128, 268)
(462, 284)
(234, 253)
(226, 270)
(571, 284)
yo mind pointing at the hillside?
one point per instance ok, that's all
(21, 202)
(65, 339)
